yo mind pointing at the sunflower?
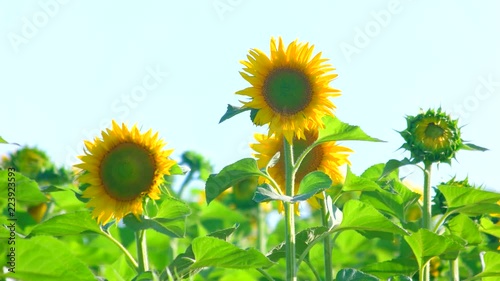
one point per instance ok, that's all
(121, 169)
(432, 137)
(326, 157)
(290, 90)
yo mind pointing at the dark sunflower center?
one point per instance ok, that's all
(127, 171)
(287, 91)
(433, 131)
(311, 162)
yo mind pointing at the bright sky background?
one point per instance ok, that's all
(68, 67)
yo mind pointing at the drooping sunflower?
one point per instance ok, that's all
(121, 169)
(290, 89)
(326, 157)
(432, 137)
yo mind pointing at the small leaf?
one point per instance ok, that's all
(44, 258)
(355, 183)
(351, 274)
(393, 165)
(463, 227)
(232, 111)
(374, 173)
(177, 169)
(3, 141)
(211, 251)
(492, 265)
(390, 268)
(312, 184)
(303, 240)
(67, 224)
(426, 244)
(472, 147)
(336, 130)
(361, 216)
(172, 208)
(266, 194)
(229, 175)
(173, 228)
(487, 226)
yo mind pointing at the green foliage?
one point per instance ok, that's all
(336, 130)
(351, 274)
(232, 111)
(67, 224)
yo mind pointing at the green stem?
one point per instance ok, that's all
(142, 251)
(129, 257)
(454, 270)
(427, 211)
(314, 271)
(289, 213)
(261, 229)
(265, 274)
(327, 249)
(185, 183)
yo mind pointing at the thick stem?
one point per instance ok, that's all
(261, 229)
(454, 270)
(427, 211)
(186, 181)
(142, 251)
(289, 213)
(129, 257)
(327, 248)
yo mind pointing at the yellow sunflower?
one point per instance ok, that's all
(290, 89)
(326, 157)
(121, 169)
(432, 136)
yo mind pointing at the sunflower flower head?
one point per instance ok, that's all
(432, 137)
(120, 169)
(326, 157)
(289, 89)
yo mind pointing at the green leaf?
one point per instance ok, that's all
(67, 224)
(374, 173)
(26, 190)
(176, 169)
(146, 276)
(386, 202)
(487, 226)
(229, 175)
(361, 216)
(232, 111)
(120, 270)
(463, 196)
(211, 251)
(393, 165)
(400, 278)
(3, 141)
(478, 209)
(472, 147)
(492, 265)
(463, 227)
(172, 208)
(313, 183)
(44, 258)
(266, 194)
(386, 269)
(351, 274)
(336, 130)
(173, 228)
(426, 244)
(303, 240)
(355, 183)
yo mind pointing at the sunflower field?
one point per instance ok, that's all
(291, 210)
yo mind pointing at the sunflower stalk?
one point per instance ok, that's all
(454, 270)
(289, 213)
(142, 251)
(261, 229)
(327, 249)
(427, 212)
(130, 258)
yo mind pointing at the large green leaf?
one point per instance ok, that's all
(491, 265)
(355, 183)
(303, 241)
(394, 164)
(351, 274)
(463, 196)
(232, 111)
(172, 209)
(361, 216)
(120, 270)
(229, 175)
(336, 130)
(311, 184)
(170, 227)
(44, 258)
(67, 224)
(426, 244)
(374, 173)
(26, 190)
(487, 226)
(463, 227)
(211, 251)
(386, 269)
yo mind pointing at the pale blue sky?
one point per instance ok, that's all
(68, 67)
